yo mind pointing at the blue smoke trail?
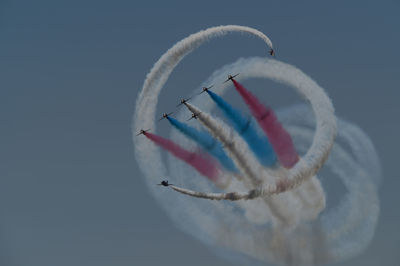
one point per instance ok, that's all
(257, 143)
(206, 141)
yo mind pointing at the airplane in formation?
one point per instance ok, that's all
(195, 116)
(142, 131)
(165, 183)
(165, 115)
(206, 89)
(183, 101)
(230, 77)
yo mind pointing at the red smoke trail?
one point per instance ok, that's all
(202, 164)
(277, 135)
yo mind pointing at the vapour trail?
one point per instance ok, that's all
(219, 224)
(344, 231)
(301, 200)
(243, 125)
(266, 118)
(222, 134)
(233, 196)
(161, 70)
(147, 99)
(356, 216)
(323, 110)
(349, 227)
(322, 106)
(324, 136)
(206, 141)
(203, 165)
(241, 157)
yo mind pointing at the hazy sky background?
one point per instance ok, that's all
(70, 189)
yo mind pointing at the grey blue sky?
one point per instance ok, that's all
(70, 189)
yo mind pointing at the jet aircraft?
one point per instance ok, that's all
(206, 89)
(195, 116)
(165, 115)
(272, 52)
(230, 77)
(142, 132)
(164, 183)
(183, 101)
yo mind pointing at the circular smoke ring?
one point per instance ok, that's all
(336, 234)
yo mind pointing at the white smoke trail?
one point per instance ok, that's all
(220, 224)
(161, 70)
(344, 231)
(323, 110)
(325, 132)
(225, 135)
(349, 227)
(242, 157)
(147, 99)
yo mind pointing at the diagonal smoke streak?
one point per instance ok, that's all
(224, 135)
(266, 118)
(206, 141)
(316, 203)
(243, 125)
(307, 167)
(241, 158)
(203, 165)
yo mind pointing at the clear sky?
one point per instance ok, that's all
(70, 189)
